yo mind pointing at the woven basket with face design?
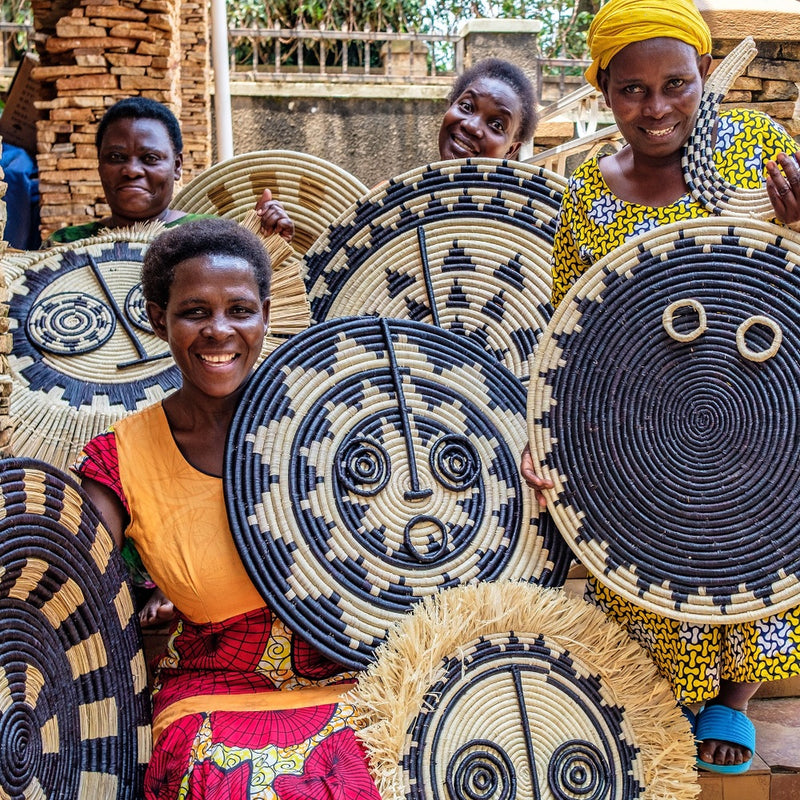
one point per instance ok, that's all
(508, 690)
(464, 245)
(74, 706)
(663, 405)
(373, 462)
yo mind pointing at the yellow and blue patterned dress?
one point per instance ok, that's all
(592, 223)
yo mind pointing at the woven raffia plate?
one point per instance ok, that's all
(507, 690)
(373, 462)
(664, 408)
(313, 191)
(74, 706)
(84, 354)
(464, 245)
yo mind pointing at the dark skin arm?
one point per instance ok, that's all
(536, 482)
(158, 608)
(274, 218)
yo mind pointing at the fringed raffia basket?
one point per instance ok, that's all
(502, 690)
(83, 354)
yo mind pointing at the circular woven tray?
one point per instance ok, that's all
(5, 377)
(84, 354)
(664, 408)
(373, 462)
(509, 690)
(74, 707)
(464, 245)
(313, 191)
(705, 182)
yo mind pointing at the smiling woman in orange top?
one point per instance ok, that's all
(492, 112)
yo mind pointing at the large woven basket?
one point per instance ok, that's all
(84, 354)
(664, 407)
(464, 245)
(508, 690)
(74, 706)
(373, 462)
(313, 191)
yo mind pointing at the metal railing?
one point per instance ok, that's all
(296, 53)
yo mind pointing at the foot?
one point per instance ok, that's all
(714, 750)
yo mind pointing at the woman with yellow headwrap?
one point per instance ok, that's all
(650, 60)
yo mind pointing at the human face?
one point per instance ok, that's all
(654, 88)
(138, 169)
(483, 121)
(214, 323)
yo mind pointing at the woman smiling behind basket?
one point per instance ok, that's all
(242, 706)
(140, 158)
(650, 60)
(492, 112)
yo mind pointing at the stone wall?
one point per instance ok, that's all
(770, 82)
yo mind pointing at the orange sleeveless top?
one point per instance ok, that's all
(179, 524)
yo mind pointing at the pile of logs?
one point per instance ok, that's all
(93, 53)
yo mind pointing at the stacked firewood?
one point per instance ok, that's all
(95, 52)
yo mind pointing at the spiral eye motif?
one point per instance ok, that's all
(363, 466)
(578, 771)
(135, 308)
(455, 462)
(70, 323)
(481, 770)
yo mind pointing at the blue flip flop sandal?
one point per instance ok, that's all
(727, 725)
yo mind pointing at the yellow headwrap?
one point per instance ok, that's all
(622, 22)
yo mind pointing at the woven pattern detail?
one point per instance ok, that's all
(84, 354)
(464, 245)
(664, 410)
(373, 462)
(313, 191)
(705, 183)
(508, 690)
(74, 708)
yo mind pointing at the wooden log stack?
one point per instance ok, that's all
(95, 52)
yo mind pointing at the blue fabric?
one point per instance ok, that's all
(22, 198)
(726, 725)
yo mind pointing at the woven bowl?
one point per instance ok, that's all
(373, 462)
(509, 690)
(464, 245)
(74, 706)
(664, 408)
(313, 191)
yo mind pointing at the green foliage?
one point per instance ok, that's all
(397, 15)
(564, 22)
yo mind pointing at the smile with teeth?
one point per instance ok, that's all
(220, 359)
(661, 132)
